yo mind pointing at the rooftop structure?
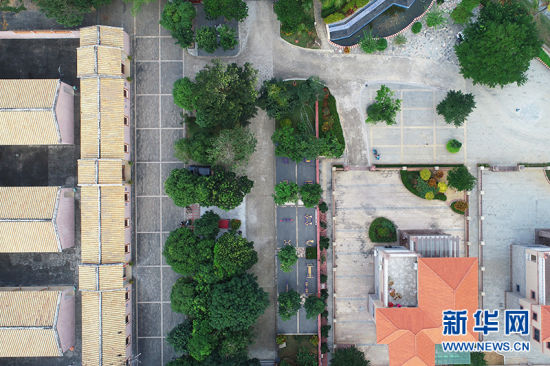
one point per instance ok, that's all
(36, 112)
(430, 243)
(36, 219)
(103, 66)
(413, 333)
(36, 322)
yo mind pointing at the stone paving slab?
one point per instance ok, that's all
(147, 111)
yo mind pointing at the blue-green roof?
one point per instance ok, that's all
(451, 358)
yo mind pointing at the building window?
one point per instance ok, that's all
(536, 334)
(535, 316)
(125, 93)
(548, 345)
(520, 307)
(126, 196)
(128, 340)
(517, 288)
(126, 121)
(533, 295)
(122, 68)
(533, 258)
(126, 148)
(126, 223)
(127, 295)
(127, 248)
(127, 319)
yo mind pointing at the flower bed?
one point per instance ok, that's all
(455, 210)
(431, 188)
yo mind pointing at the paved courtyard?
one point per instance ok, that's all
(360, 197)
(419, 132)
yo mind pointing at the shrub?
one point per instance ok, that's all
(461, 179)
(228, 37)
(311, 194)
(290, 13)
(314, 340)
(456, 107)
(384, 108)
(314, 306)
(425, 174)
(442, 187)
(460, 205)
(381, 44)
(324, 348)
(287, 257)
(416, 27)
(324, 314)
(280, 339)
(333, 18)
(324, 330)
(323, 207)
(432, 182)
(207, 39)
(311, 253)
(382, 230)
(324, 295)
(286, 192)
(429, 195)
(400, 39)
(349, 356)
(305, 358)
(453, 146)
(289, 304)
(235, 224)
(440, 196)
(435, 18)
(438, 174)
(461, 14)
(368, 42)
(177, 17)
(324, 278)
(230, 9)
(183, 94)
(323, 224)
(324, 242)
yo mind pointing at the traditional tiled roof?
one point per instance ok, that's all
(27, 219)
(28, 323)
(412, 333)
(101, 277)
(102, 35)
(27, 115)
(545, 323)
(104, 336)
(99, 171)
(99, 60)
(102, 207)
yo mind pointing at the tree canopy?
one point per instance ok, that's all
(384, 108)
(287, 257)
(232, 148)
(177, 17)
(237, 304)
(314, 306)
(456, 107)
(461, 179)
(349, 356)
(69, 13)
(233, 255)
(286, 192)
(311, 194)
(207, 225)
(289, 304)
(179, 336)
(230, 9)
(498, 47)
(290, 13)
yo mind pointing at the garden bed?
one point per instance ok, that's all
(382, 230)
(331, 13)
(420, 187)
(455, 210)
(293, 344)
(306, 35)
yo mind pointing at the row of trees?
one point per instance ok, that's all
(287, 192)
(220, 299)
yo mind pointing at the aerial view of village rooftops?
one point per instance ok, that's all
(274, 182)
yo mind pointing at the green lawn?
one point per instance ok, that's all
(544, 57)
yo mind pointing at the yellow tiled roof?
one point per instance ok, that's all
(109, 328)
(102, 34)
(27, 202)
(37, 127)
(28, 237)
(31, 342)
(101, 277)
(102, 60)
(99, 171)
(108, 114)
(21, 309)
(28, 93)
(111, 249)
(28, 308)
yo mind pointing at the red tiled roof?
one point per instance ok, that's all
(412, 333)
(545, 323)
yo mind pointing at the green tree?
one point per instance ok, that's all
(225, 95)
(228, 37)
(456, 107)
(69, 13)
(294, 144)
(207, 225)
(182, 297)
(311, 194)
(285, 192)
(291, 14)
(350, 356)
(235, 343)
(233, 255)
(207, 38)
(183, 91)
(12, 7)
(384, 108)
(461, 179)
(277, 98)
(229, 9)
(306, 358)
(185, 188)
(238, 303)
(227, 190)
(194, 148)
(189, 255)
(177, 17)
(289, 304)
(180, 335)
(314, 306)
(287, 257)
(203, 340)
(232, 148)
(498, 47)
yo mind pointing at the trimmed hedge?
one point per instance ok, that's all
(455, 210)
(334, 17)
(416, 27)
(382, 230)
(311, 253)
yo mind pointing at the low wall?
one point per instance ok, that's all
(43, 34)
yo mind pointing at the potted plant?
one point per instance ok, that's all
(281, 340)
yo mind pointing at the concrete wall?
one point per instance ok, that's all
(129, 325)
(65, 218)
(64, 111)
(66, 320)
(531, 274)
(127, 113)
(128, 214)
(518, 269)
